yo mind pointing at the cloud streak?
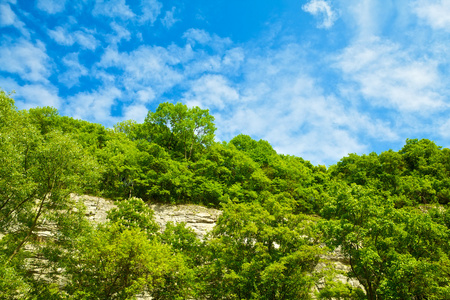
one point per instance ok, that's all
(389, 76)
(29, 61)
(322, 10)
(435, 13)
(362, 84)
(51, 6)
(64, 37)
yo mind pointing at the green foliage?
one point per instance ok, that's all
(183, 240)
(180, 129)
(334, 289)
(261, 251)
(37, 177)
(391, 251)
(260, 151)
(12, 284)
(121, 159)
(116, 263)
(134, 213)
(43, 118)
(387, 212)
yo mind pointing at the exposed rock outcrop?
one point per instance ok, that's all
(201, 219)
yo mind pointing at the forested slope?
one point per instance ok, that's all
(387, 213)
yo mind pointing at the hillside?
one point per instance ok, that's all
(387, 213)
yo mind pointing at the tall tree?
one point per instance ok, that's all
(261, 251)
(391, 251)
(183, 127)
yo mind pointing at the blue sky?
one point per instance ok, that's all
(316, 78)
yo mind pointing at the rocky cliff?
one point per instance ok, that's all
(199, 218)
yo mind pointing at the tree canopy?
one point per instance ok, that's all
(386, 213)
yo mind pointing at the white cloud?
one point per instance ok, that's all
(32, 95)
(169, 19)
(145, 66)
(94, 106)
(435, 12)
(199, 36)
(30, 61)
(85, 40)
(275, 98)
(365, 15)
(63, 37)
(279, 102)
(121, 33)
(51, 6)
(150, 10)
(136, 112)
(213, 91)
(321, 9)
(233, 58)
(444, 129)
(8, 84)
(146, 95)
(75, 70)
(9, 18)
(113, 8)
(389, 76)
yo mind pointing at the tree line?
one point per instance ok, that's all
(386, 212)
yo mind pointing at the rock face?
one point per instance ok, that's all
(96, 208)
(337, 261)
(199, 218)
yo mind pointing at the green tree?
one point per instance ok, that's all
(122, 171)
(113, 262)
(260, 151)
(261, 251)
(134, 213)
(12, 284)
(181, 129)
(53, 167)
(391, 251)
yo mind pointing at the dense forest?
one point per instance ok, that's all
(387, 213)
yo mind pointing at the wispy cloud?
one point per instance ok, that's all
(154, 66)
(74, 71)
(32, 95)
(29, 61)
(113, 9)
(436, 13)
(94, 106)
(65, 37)
(322, 10)
(169, 20)
(120, 33)
(200, 36)
(9, 18)
(51, 6)
(389, 76)
(150, 11)
(444, 129)
(378, 76)
(145, 95)
(38, 95)
(136, 112)
(280, 102)
(212, 91)
(196, 36)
